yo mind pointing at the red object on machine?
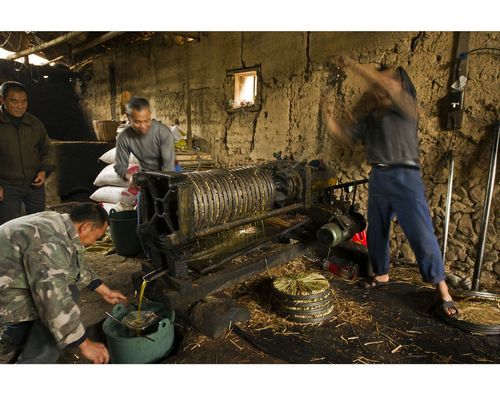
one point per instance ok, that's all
(360, 238)
(341, 267)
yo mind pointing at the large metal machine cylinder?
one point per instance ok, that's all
(179, 208)
(342, 228)
(221, 196)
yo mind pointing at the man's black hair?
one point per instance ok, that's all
(91, 212)
(11, 85)
(137, 104)
(405, 79)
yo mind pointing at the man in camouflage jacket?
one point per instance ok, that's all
(41, 272)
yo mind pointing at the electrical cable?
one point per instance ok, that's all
(17, 50)
(464, 55)
(31, 74)
(14, 65)
(37, 39)
(20, 40)
(452, 137)
(6, 40)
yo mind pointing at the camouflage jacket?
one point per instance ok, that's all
(41, 258)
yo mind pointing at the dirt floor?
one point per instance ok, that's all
(389, 324)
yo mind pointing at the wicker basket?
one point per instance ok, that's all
(105, 130)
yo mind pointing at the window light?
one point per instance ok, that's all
(245, 89)
(32, 58)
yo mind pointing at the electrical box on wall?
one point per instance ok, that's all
(459, 80)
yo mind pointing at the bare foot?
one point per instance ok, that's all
(374, 281)
(381, 278)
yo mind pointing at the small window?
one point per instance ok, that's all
(245, 89)
(245, 93)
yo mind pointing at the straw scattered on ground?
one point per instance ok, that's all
(474, 310)
(256, 294)
(479, 311)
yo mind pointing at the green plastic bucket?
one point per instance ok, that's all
(125, 347)
(122, 225)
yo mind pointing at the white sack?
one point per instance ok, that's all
(114, 194)
(109, 177)
(108, 206)
(110, 156)
(117, 207)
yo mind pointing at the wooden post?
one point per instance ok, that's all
(112, 90)
(188, 97)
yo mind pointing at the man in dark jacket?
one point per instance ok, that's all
(24, 155)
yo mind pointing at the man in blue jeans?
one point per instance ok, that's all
(389, 134)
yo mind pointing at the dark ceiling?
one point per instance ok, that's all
(70, 49)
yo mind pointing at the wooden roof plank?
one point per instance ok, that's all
(54, 42)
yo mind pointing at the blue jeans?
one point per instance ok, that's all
(400, 191)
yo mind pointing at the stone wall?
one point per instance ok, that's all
(297, 70)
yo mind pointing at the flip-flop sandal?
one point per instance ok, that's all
(442, 306)
(371, 283)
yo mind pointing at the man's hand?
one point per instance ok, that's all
(336, 129)
(115, 297)
(40, 179)
(111, 296)
(129, 178)
(1, 193)
(94, 351)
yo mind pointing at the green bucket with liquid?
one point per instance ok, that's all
(126, 347)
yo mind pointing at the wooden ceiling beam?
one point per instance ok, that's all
(54, 42)
(101, 39)
(80, 64)
(57, 59)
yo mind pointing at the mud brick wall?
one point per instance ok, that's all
(297, 69)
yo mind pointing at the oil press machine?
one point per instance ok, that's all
(204, 231)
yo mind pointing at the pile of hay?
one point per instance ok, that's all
(301, 284)
(479, 311)
(256, 295)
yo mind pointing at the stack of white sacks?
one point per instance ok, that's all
(113, 192)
